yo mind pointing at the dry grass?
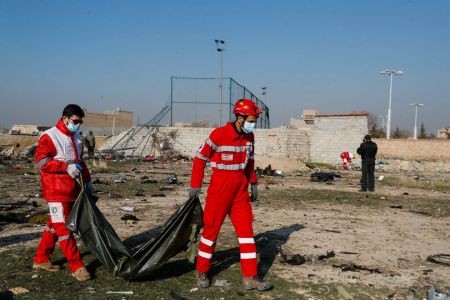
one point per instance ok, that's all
(438, 184)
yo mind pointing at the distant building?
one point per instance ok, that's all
(443, 133)
(108, 123)
(27, 129)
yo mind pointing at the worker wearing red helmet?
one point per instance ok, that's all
(230, 151)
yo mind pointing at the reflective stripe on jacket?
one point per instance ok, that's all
(226, 150)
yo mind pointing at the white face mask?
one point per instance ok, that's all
(72, 127)
(248, 127)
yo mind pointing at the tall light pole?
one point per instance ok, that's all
(390, 73)
(220, 44)
(415, 118)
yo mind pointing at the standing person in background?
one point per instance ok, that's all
(230, 150)
(90, 144)
(368, 152)
(59, 160)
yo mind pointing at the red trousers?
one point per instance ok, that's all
(56, 231)
(228, 195)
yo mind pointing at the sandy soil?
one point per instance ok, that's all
(394, 241)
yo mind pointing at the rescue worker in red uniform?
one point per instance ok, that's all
(230, 151)
(59, 159)
(347, 159)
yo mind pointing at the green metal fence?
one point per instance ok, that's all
(194, 99)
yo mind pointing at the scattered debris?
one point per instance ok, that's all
(298, 259)
(421, 212)
(221, 282)
(193, 290)
(127, 217)
(324, 176)
(399, 206)
(120, 179)
(127, 208)
(381, 177)
(174, 296)
(120, 292)
(139, 193)
(356, 268)
(348, 252)
(147, 180)
(437, 294)
(441, 259)
(268, 171)
(114, 196)
(18, 290)
(329, 254)
(172, 179)
(332, 230)
(158, 195)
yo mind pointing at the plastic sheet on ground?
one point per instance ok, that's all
(178, 233)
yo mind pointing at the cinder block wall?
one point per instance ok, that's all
(279, 142)
(331, 136)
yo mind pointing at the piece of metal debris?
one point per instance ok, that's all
(356, 268)
(437, 294)
(441, 259)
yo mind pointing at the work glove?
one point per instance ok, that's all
(254, 195)
(89, 188)
(194, 192)
(74, 170)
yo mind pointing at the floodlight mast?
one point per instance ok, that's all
(220, 45)
(390, 73)
(415, 118)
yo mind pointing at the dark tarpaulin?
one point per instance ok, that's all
(178, 233)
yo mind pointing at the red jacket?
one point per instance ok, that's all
(226, 150)
(57, 148)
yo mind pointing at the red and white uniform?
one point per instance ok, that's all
(57, 148)
(347, 158)
(231, 157)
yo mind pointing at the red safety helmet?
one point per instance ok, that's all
(246, 107)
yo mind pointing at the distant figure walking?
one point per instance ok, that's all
(90, 144)
(368, 152)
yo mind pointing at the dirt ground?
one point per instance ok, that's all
(293, 214)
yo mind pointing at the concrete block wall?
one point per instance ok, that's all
(330, 136)
(279, 142)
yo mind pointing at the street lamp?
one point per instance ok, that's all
(390, 73)
(220, 45)
(264, 90)
(415, 118)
